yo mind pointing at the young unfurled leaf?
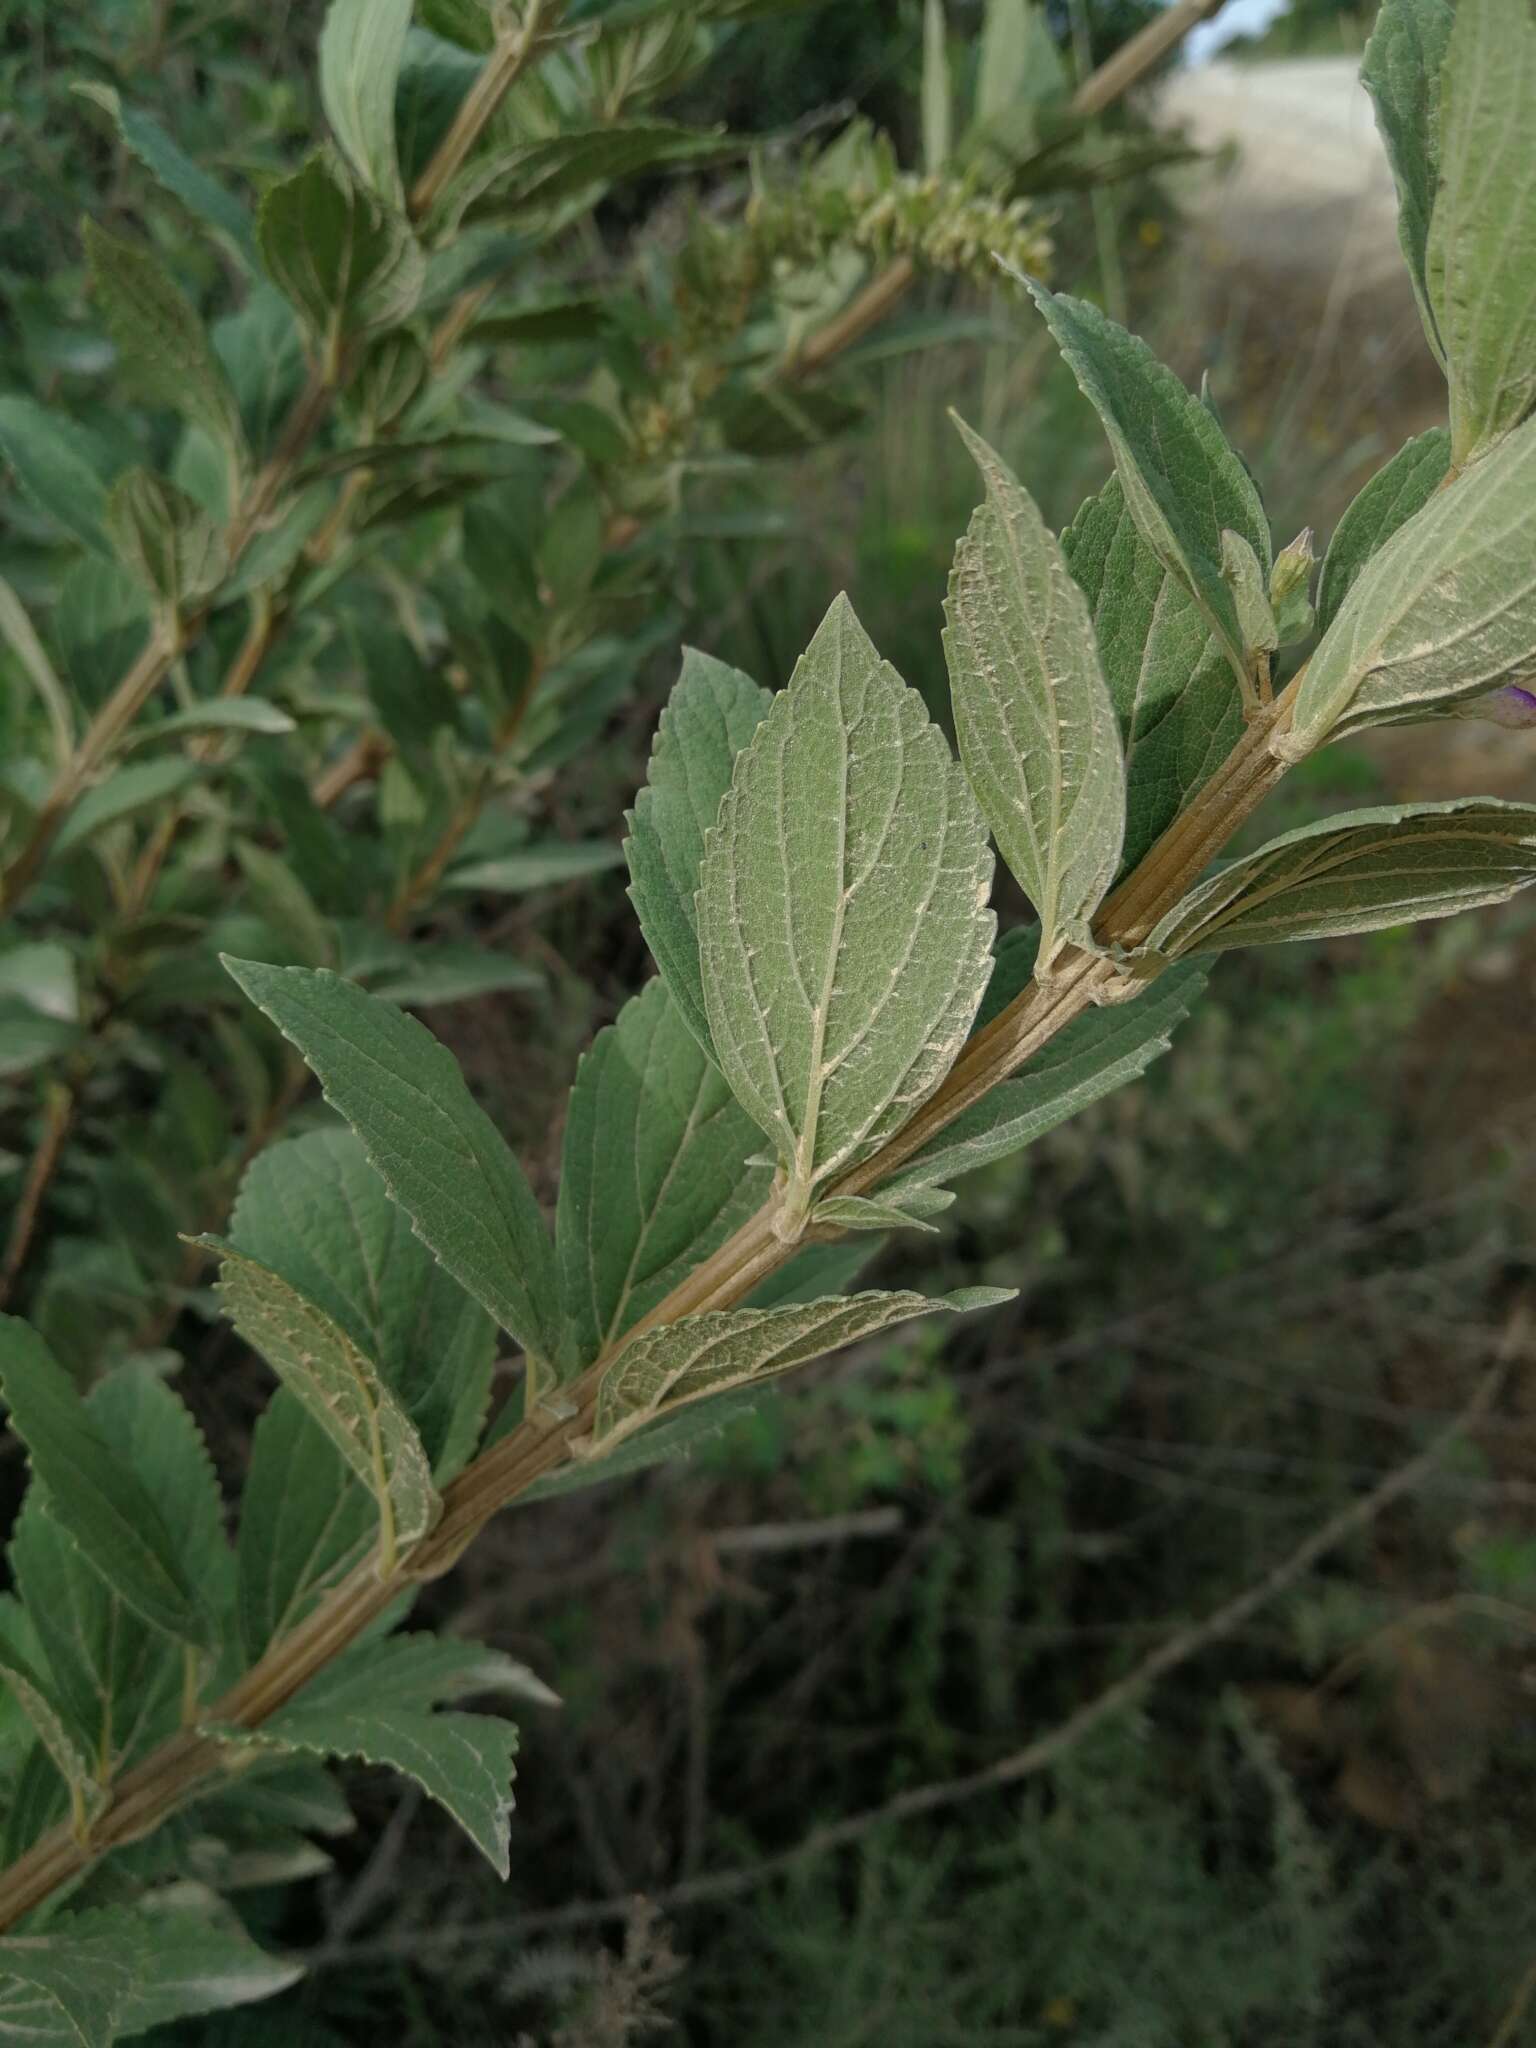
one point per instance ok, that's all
(318, 1214)
(1248, 584)
(1397, 490)
(159, 335)
(1290, 589)
(710, 716)
(166, 540)
(342, 1389)
(1179, 705)
(843, 933)
(863, 1212)
(1033, 714)
(332, 249)
(1360, 873)
(705, 1354)
(361, 46)
(214, 714)
(92, 1978)
(1097, 1053)
(1445, 610)
(48, 1719)
(304, 1522)
(1480, 259)
(1401, 72)
(441, 1157)
(378, 1706)
(191, 184)
(1182, 482)
(61, 467)
(654, 1175)
(97, 1496)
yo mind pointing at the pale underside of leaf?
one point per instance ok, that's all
(1033, 715)
(1364, 871)
(705, 1354)
(843, 931)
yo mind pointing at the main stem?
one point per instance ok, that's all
(542, 1441)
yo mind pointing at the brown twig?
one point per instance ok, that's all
(499, 73)
(59, 1100)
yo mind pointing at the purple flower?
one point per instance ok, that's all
(1513, 705)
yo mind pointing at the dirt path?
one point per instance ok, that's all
(1302, 182)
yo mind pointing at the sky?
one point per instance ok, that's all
(1237, 18)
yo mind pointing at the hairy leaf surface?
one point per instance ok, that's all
(843, 934)
(654, 1174)
(304, 1521)
(1444, 610)
(361, 46)
(339, 1384)
(1480, 259)
(441, 1157)
(710, 716)
(1097, 1053)
(1397, 490)
(1182, 482)
(1359, 873)
(97, 1495)
(1033, 715)
(316, 1212)
(705, 1354)
(1401, 72)
(1177, 700)
(159, 336)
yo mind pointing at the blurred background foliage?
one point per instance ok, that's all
(1249, 1285)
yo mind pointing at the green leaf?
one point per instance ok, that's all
(139, 786)
(189, 182)
(159, 335)
(441, 1157)
(861, 1212)
(418, 1669)
(96, 1496)
(711, 715)
(334, 252)
(304, 1522)
(1446, 609)
(1182, 482)
(166, 540)
(1360, 872)
(672, 1439)
(1097, 1053)
(120, 1679)
(422, 974)
(1179, 706)
(543, 866)
(376, 1708)
(1017, 62)
(530, 176)
(1388, 501)
(1249, 586)
(361, 46)
(47, 1718)
(1401, 72)
(1033, 715)
(314, 1211)
(96, 1977)
(703, 1355)
(61, 467)
(1480, 258)
(653, 1177)
(215, 714)
(938, 92)
(340, 1386)
(843, 932)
